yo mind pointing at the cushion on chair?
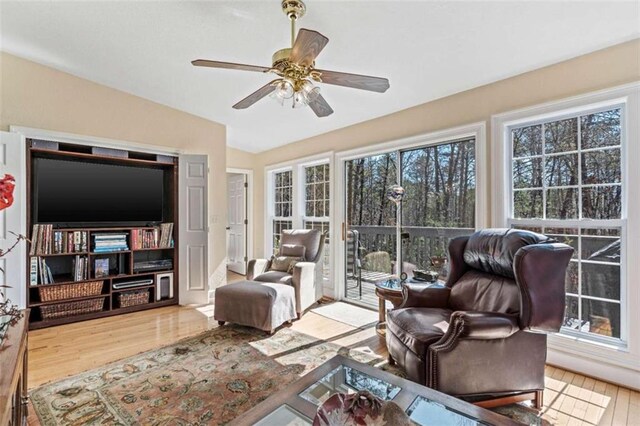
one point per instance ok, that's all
(274, 277)
(493, 250)
(309, 238)
(282, 263)
(293, 250)
(418, 328)
(480, 291)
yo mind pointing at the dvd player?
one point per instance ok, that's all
(129, 284)
(153, 265)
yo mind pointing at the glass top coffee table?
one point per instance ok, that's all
(297, 403)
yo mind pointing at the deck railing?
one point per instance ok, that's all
(419, 243)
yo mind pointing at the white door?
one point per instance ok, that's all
(193, 229)
(236, 230)
(14, 219)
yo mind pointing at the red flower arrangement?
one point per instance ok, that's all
(9, 313)
(7, 185)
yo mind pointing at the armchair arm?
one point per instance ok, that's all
(424, 296)
(485, 325)
(540, 271)
(304, 283)
(256, 267)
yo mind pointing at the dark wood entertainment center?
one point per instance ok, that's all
(103, 300)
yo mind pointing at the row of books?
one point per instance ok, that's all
(106, 243)
(161, 237)
(40, 272)
(44, 240)
(80, 268)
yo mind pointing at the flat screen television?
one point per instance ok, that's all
(77, 193)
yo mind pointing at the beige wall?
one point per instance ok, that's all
(239, 159)
(598, 70)
(37, 96)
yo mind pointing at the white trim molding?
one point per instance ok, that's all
(604, 358)
(71, 138)
(298, 198)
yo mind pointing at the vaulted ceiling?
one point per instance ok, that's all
(427, 49)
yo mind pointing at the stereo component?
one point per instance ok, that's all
(130, 284)
(164, 286)
(48, 145)
(109, 152)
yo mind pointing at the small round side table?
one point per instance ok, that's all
(390, 290)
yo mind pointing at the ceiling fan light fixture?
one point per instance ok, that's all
(284, 90)
(295, 68)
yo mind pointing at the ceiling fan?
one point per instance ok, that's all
(295, 68)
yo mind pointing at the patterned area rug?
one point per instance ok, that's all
(208, 379)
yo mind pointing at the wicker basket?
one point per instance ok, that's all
(69, 309)
(70, 291)
(133, 298)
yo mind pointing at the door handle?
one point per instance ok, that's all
(228, 228)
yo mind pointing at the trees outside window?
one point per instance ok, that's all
(317, 209)
(282, 205)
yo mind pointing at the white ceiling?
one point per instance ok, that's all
(427, 49)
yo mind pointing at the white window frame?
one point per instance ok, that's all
(580, 223)
(298, 196)
(303, 200)
(271, 206)
(563, 347)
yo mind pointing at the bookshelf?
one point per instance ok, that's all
(71, 272)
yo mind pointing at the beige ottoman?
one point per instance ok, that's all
(261, 305)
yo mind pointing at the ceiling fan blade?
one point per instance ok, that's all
(320, 106)
(356, 81)
(307, 47)
(228, 65)
(255, 96)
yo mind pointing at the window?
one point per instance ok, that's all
(567, 182)
(282, 205)
(316, 206)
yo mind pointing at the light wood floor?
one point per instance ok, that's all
(58, 352)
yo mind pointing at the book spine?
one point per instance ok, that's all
(33, 271)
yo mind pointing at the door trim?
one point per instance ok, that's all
(249, 199)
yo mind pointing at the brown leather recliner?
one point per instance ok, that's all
(482, 336)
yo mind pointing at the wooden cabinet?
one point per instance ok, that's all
(13, 374)
(97, 289)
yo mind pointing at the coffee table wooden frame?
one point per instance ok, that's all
(410, 390)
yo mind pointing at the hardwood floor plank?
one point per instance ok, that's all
(621, 410)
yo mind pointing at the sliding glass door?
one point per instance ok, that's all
(383, 238)
(371, 231)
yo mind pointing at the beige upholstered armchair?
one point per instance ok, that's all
(305, 276)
